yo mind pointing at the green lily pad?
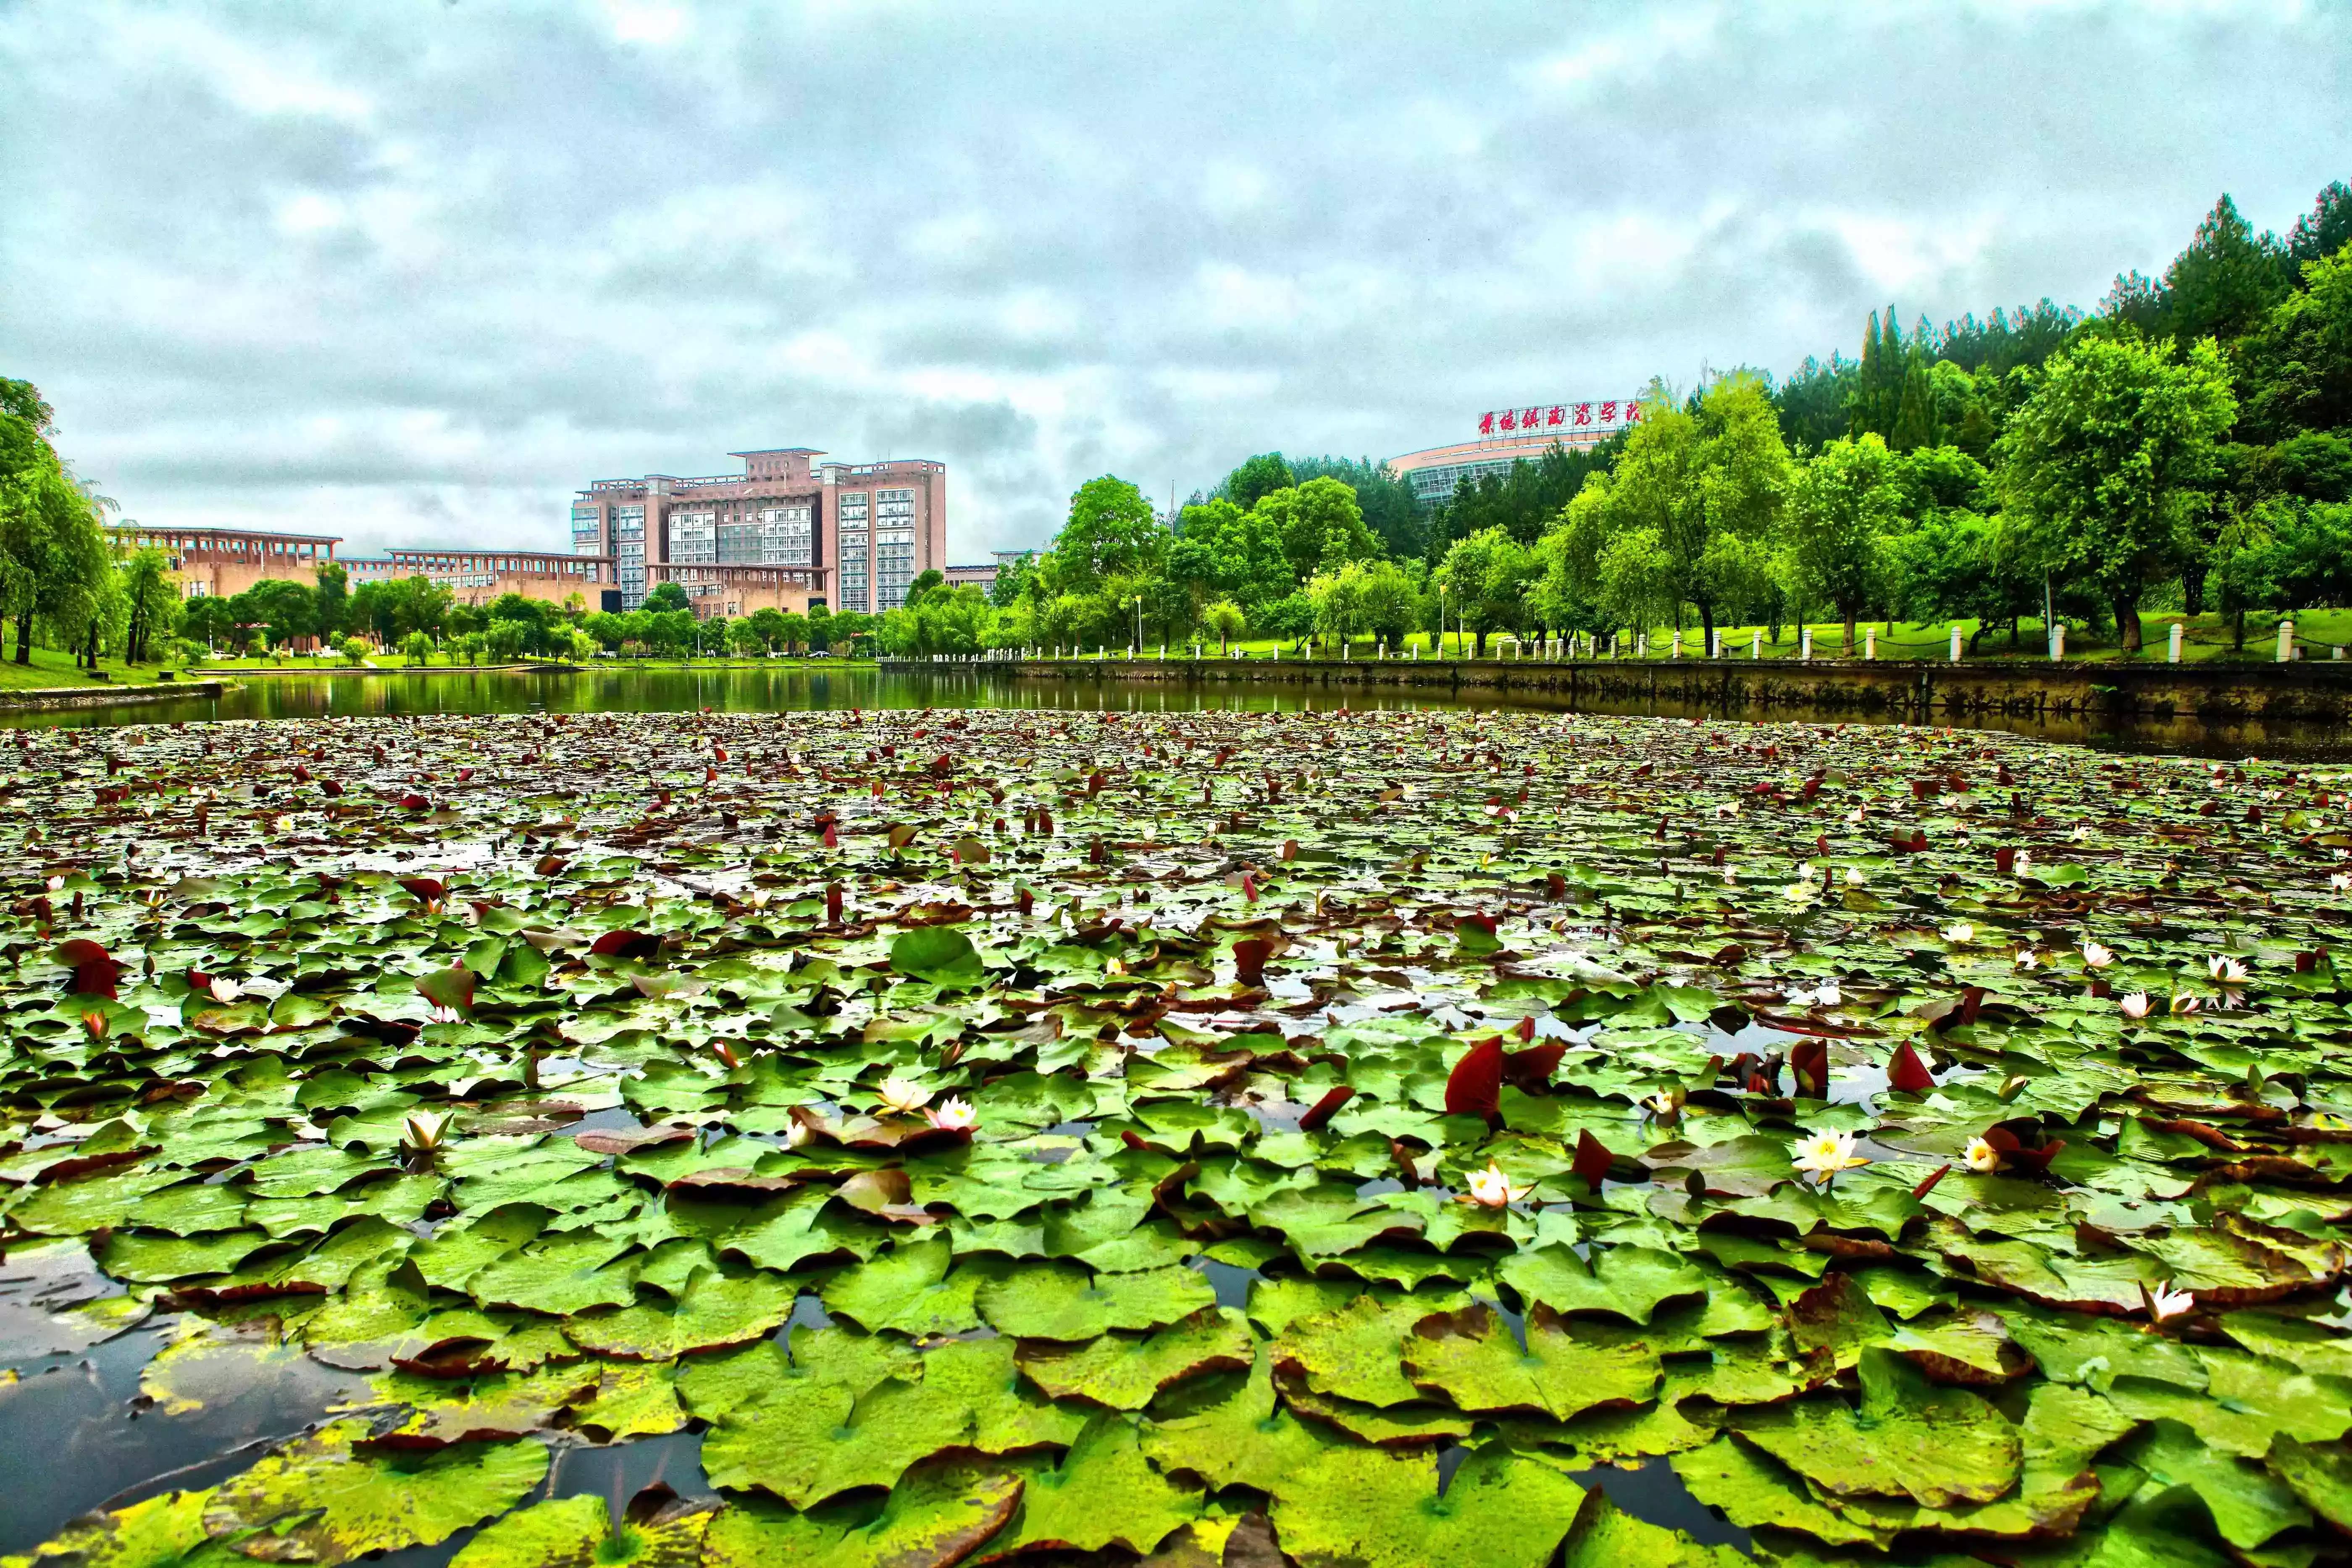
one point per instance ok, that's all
(1909, 1438)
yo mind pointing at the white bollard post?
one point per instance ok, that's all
(1716, 650)
(1756, 645)
(1956, 642)
(2058, 642)
(2286, 640)
(1677, 652)
(2172, 653)
(1641, 646)
(1870, 642)
(1805, 646)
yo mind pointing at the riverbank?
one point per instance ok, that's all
(100, 694)
(2302, 693)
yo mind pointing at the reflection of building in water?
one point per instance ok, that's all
(1507, 435)
(484, 576)
(788, 531)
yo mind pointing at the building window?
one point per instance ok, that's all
(693, 536)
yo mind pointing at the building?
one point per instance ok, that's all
(481, 577)
(982, 577)
(222, 563)
(788, 532)
(1507, 435)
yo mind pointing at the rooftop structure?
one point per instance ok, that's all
(1507, 436)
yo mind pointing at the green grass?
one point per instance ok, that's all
(50, 667)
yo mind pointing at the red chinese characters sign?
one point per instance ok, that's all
(1612, 413)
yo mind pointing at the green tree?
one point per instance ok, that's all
(1257, 478)
(151, 594)
(331, 597)
(2100, 470)
(1847, 503)
(1321, 526)
(283, 610)
(2326, 229)
(1111, 531)
(667, 597)
(926, 582)
(2301, 364)
(354, 652)
(1487, 578)
(1390, 508)
(417, 648)
(2225, 282)
(1225, 618)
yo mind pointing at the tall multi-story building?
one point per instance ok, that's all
(789, 532)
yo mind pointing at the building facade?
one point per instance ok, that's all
(222, 563)
(790, 531)
(481, 577)
(1507, 435)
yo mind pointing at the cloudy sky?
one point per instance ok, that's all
(412, 271)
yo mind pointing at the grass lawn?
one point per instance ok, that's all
(50, 667)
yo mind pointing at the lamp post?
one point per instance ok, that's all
(1139, 622)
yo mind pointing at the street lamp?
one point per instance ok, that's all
(1139, 626)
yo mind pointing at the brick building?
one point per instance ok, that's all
(222, 563)
(482, 578)
(789, 532)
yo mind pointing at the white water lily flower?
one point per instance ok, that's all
(1804, 870)
(2134, 1005)
(1662, 1104)
(1959, 932)
(1828, 994)
(953, 1116)
(1982, 1156)
(904, 1095)
(1853, 877)
(2339, 881)
(2024, 864)
(2229, 971)
(2026, 959)
(1494, 1189)
(2095, 957)
(224, 989)
(2184, 1004)
(1821, 1155)
(424, 1129)
(2163, 1302)
(2080, 833)
(1730, 876)
(1853, 817)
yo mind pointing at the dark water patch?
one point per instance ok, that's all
(1231, 1281)
(83, 1433)
(615, 1472)
(1654, 1494)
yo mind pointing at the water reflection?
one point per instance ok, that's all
(782, 685)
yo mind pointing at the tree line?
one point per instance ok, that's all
(2187, 446)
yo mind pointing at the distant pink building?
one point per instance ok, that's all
(789, 532)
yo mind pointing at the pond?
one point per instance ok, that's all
(786, 686)
(498, 1135)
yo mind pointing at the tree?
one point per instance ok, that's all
(417, 648)
(1221, 551)
(151, 596)
(1845, 505)
(2226, 282)
(1321, 526)
(2326, 229)
(925, 582)
(283, 609)
(667, 597)
(745, 637)
(1225, 618)
(2302, 361)
(354, 652)
(2100, 470)
(1487, 578)
(331, 597)
(208, 620)
(1012, 580)
(1812, 403)
(1257, 478)
(1709, 485)
(1111, 531)
(1391, 510)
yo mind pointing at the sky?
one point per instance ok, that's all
(413, 272)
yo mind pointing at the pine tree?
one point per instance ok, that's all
(2227, 280)
(1915, 417)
